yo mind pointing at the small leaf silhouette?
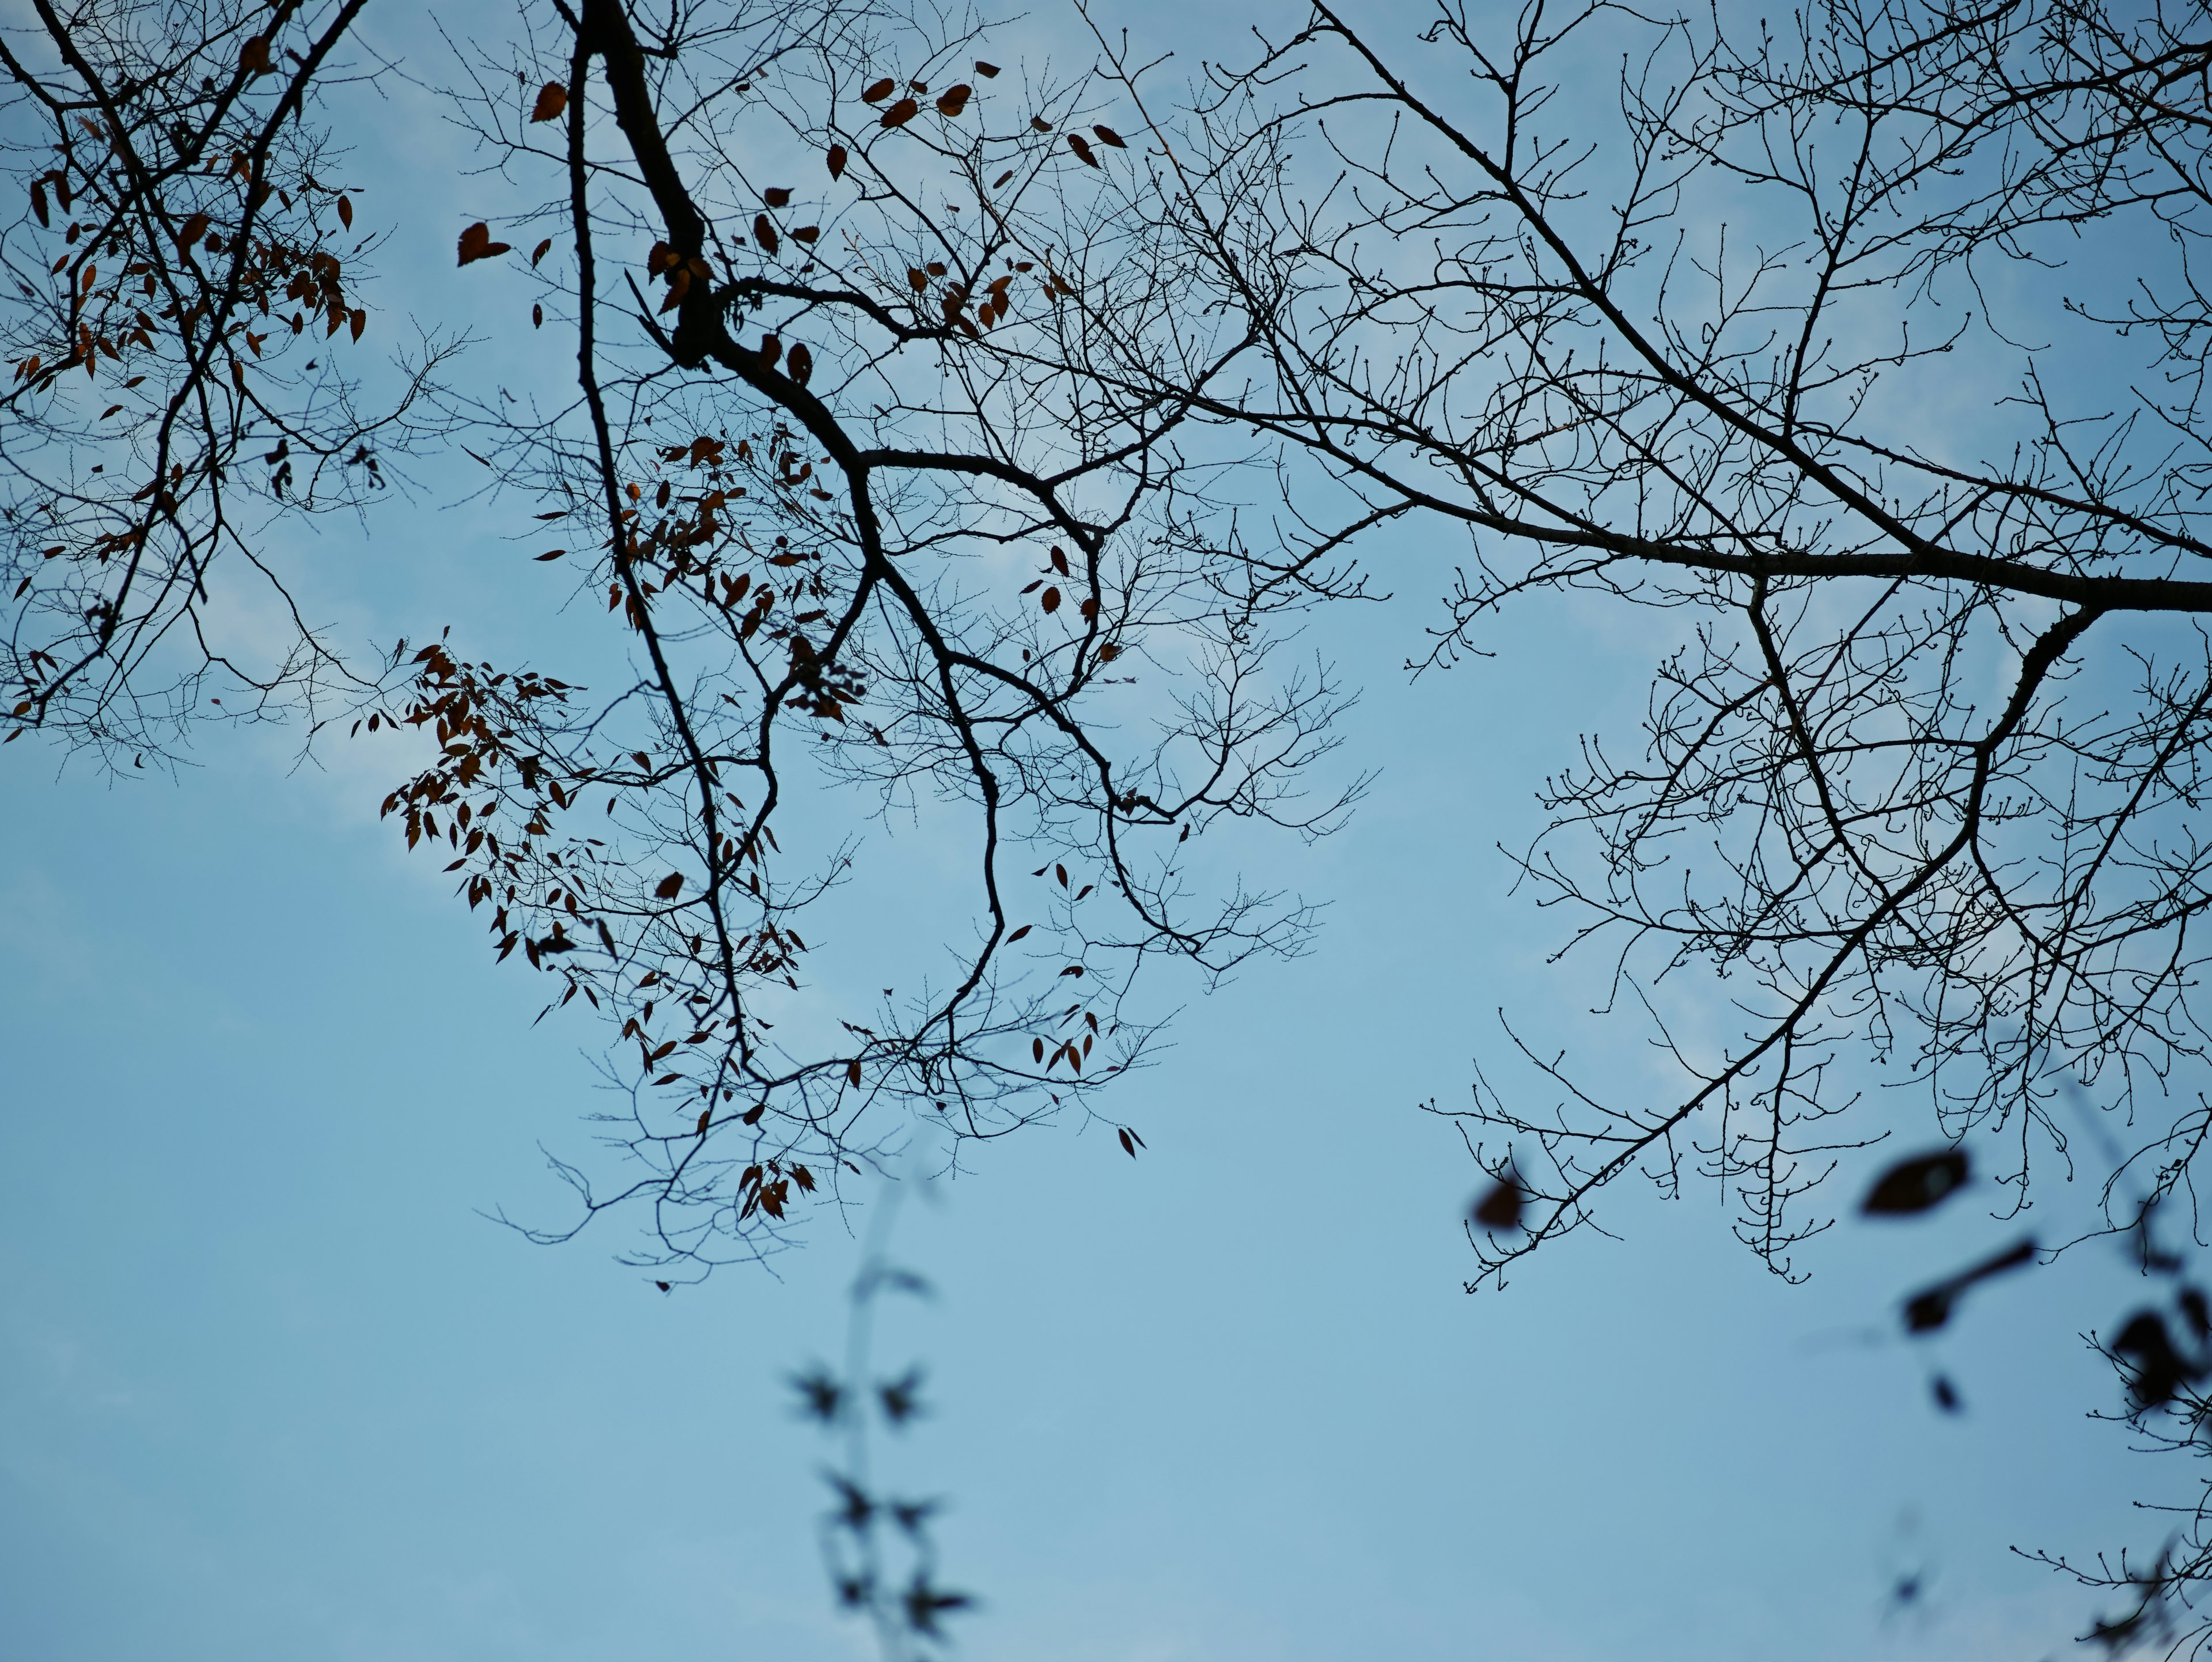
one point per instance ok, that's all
(1083, 152)
(879, 90)
(2158, 1372)
(345, 212)
(1108, 136)
(901, 113)
(476, 244)
(836, 162)
(552, 99)
(1917, 1185)
(1502, 1206)
(669, 887)
(953, 99)
(989, 71)
(799, 364)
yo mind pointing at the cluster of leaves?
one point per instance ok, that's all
(177, 268)
(877, 1547)
(814, 434)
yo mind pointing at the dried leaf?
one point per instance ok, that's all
(1108, 136)
(879, 90)
(953, 99)
(476, 244)
(253, 56)
(989, 71)
(1917, 1185)
(539, 252)
(776, 196)
(1050, 599)
(552, 99)
(765, 233)
(345, 212)
(669, 887)
(901, 113)
(1083, 152)
(837, 161)
(1502, 1206)
(799, 364)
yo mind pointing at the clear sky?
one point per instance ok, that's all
(271, 1387)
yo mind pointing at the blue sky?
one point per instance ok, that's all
(272, 1388)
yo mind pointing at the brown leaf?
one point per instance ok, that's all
(989, 71)
(1083, 150)
(836, 162)
(191, 231)
(539, 252)
(552, 99)
(1050, 599)
(799, 364)
(669, 887)
(1916, 1186)
(765, 233)
(852, 1070)
(953, 99)
(1040, 124)
(345, 212)
(776, 197)
(917, 280)
(1108, 136)
(476, 244)
(901, 113)
(706, 1115)
(1018, 934)
(879, 90)
(1501, 1208)
(253, 56)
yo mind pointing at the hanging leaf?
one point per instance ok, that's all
(552, 99)
(1083, 150)
(539, 252)
(879, 90)
(253, 56)
(765, 233)
(669, 887)
(1039, 123)
(953, 99)
(799, 364)
(191, 232)
(345, 212)
(1502, 1206)
(1916, 1184)
(476, 244)
(1108, 136)
(989, 71)
(776, 196)
(836, 162)
(1050, 599)
(901, 113)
